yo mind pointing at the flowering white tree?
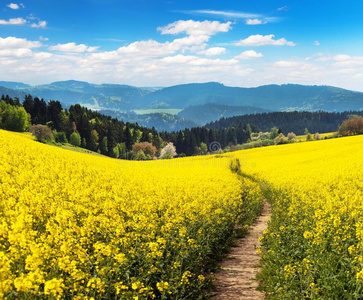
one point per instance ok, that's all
(169, 151)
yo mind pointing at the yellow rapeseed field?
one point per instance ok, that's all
(77, 226)
(80, 227)
(313, 247)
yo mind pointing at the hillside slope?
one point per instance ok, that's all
(87, 226)
(272, 97)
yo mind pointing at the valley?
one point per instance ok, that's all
(188, 105)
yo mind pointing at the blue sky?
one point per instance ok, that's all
(166, 42)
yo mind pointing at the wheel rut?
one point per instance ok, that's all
(237, 277)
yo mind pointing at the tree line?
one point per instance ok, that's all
(88, 129)
(295, 121)
(94, 131)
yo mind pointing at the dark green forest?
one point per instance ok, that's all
(296, 122)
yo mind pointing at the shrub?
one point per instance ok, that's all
(317, 136)
(42, 133)
(291, 137)
(147, 148)
(115, 152)
(280, 139)
(140, 155)
(351, 126)
(13, 118)
(169, 151)
(60, 137)
(235, 165)
(75, 139)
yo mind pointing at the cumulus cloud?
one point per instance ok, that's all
(316, 43)
(15, 21)
(254, 22)
(191, 27)
(264, 40)
(343, 60)
(40, 24)
(342, 57)
(13, 6)
(20, 52)
(73, 48)
(249, 54)
(214, 51)
(13, 43)
(180, 59)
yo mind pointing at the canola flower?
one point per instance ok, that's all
(313, 247)
(77, 226)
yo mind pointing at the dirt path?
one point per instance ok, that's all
(236, 279)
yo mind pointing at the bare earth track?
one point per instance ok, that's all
(236, 279)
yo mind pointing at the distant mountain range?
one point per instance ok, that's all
(197, 103)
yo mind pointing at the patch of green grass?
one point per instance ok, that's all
(77, 149)
(172, 111)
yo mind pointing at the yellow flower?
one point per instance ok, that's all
(162, 286)
(54, 287)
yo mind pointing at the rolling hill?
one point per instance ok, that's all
(287, 97)
(211, 111)
(200, 102)
(95, 96)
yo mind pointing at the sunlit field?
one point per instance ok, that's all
(314, 245)
(78, 226)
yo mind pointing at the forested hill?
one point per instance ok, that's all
(286, 97)
(188, 105)
(294, 121)
(203, 114)
(109, 136)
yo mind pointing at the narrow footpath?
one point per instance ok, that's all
(236, 279)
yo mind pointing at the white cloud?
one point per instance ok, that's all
(14, 43)
(42, 38)
(196, 61)
(32, 17)
(283, 8)
(13, 6)
(40, 24)
(316, 43)
(191, 27)
(229, 14)
(184, 59)
(263, 40)
(286, 64)
(249, 54)
(342, 57)
(253, 22)
(20, 52)
(347, 61)
(214, 51)
(15, 21)
(73, 48)
(148, 48)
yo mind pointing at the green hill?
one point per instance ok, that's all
(210, 112)
(287, 97)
